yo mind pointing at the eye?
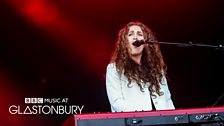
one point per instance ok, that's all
(130, 34)
(140, 34)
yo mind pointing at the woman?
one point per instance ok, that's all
(135, 78)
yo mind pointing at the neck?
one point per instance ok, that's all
(136, 58)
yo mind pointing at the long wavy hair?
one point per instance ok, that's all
(152, 67)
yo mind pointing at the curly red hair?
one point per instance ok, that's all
(152, 67)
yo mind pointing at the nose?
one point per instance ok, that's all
(135, 37)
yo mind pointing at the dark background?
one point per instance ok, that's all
(60, 49)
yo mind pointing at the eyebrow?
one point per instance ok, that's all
(137, 31)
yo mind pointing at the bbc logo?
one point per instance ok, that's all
(34, 100)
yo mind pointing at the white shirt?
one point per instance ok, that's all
(124, 98)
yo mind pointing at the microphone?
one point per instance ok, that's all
(138, 43)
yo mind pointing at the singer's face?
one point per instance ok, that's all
(135, 33)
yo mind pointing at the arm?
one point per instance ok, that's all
(114, 90)
(167, 93)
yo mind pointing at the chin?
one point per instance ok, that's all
(136, 53)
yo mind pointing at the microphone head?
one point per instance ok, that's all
(138, 43)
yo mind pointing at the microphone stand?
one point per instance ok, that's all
(189, 44)
(216, 102)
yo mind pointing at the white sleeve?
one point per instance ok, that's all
(114, 91)
(167, 94)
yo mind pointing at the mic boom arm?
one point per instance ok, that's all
(190, 44)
